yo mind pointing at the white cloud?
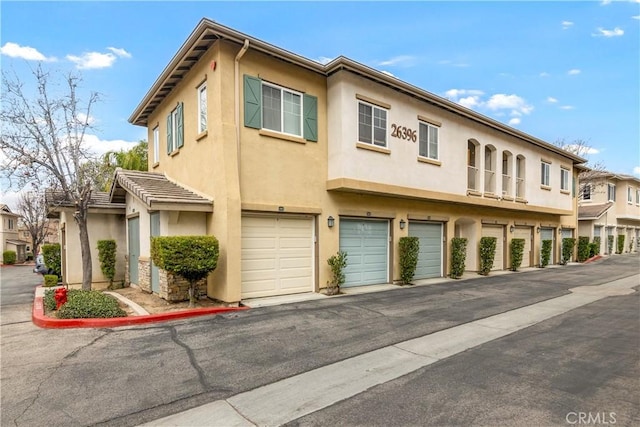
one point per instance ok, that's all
(82, 118)
(566, 25)
(544, 74)
(567, 107)
(99, 146)
(601, 32)
(398, 61)
(636, 170)
(11, 198)
(514, 121)
(636, 17)
(515, 103)
(470, 101)
(120, 52)
(324, 60)
(387, 73)
(605, 2)
(574, 72)
(551, 99)
(581, 149)
(28, 53)
(92, 60)
(456, 93)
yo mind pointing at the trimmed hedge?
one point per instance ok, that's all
(458, 257)
(517, 252)
(90, 304)
(409, 248)
(568, 244)
(583, 248)
(107, 257)
(487, 254)
(546, 253)
(191, 257)
(52, 258)
(49, 300)
(593, 249)
(598, 242)
(620, 244)
(50, 280)
(9, 257)
(610, 244)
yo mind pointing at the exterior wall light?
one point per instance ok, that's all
(331, 222)
(538, 230)
(512, 229)
(402, 224)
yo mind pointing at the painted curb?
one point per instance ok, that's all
(592, 259)
(39, 319)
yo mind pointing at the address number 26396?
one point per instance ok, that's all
(403, 133)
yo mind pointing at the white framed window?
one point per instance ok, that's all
(372, 124)
(428, 141)
(545, 169)
(586, 192)
(564, 179)
(281, 109)
(520, 176)
(156, 144)
(629, 195)
(202, 107)
(638, 198)
(10, 224)
(611, 192)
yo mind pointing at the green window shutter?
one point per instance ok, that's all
(252, 102)
(179, 126)
(169, 134)
(310, 115)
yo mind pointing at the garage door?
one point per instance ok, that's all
(430, 255)
(524, 233)
(547, 234)
(367, 246)
(277, 256)
(498, 233)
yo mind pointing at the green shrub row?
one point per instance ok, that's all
(409, 248)
(546, 253)
(610, 244)
(9, 257)
(50, 280)
(458, 256)
(568, 243)
(487, 254)
(107, 257)
(52, 258)
(517, 252)
(583, 248)
(620, 243)
(89, 304)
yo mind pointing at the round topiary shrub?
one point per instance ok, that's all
(9, 257)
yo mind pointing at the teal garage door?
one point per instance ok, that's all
(430, 255)
(366, 243)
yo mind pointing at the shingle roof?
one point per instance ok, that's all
(593, 211)
(156, 191)
(99, 199)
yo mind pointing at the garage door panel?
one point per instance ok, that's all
(277, 256)
(498, 233)
(430, 253)
(366, 245)
(524, 233)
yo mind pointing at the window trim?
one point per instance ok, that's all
(386, 124)
(564, 173)
(629, 195)
(282, 89)
(428, 126)
(609, 192)
(545, 174)
(202, 88)
(156, 144)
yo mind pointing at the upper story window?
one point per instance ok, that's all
(274, 108)
(10, 224)
(545, 174)
(611, 192)
(638, 200)
(175, 129)
(629, 195)
(506, 173)
(472, 161)
(520, 177)
(428, 141)
(586, 192)
(156, 144)
(489, 169)
(202, 107)
(281, 110)
(372, 124)
(564, 179)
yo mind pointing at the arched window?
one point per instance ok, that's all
(489, 169)
(472, 164)
(520, 177)
(507, 173)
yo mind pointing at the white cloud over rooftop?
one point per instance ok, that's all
(27, 53)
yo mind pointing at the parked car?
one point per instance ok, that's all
(41, 267)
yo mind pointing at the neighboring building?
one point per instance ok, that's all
(287, 161)
(610, 206)
(9, 236)
(51, 233)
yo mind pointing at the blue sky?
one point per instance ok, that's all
(556, 70)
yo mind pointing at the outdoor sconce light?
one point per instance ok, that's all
(512, 229)
(560, 230)
(331, 222)
(402, 224)
(538, 230)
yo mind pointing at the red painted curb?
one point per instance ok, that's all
(39, 319)
(592, 259)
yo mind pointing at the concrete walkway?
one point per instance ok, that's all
(291, 398)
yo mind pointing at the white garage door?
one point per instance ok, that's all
(496, 231)
(367, 246)
(277, 255)
(548, 234)
(524, 233)
(430, 255)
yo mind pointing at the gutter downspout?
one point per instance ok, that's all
(240, 54)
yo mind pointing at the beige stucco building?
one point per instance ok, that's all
(287, 161)
(9, 235)
(610, 206)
